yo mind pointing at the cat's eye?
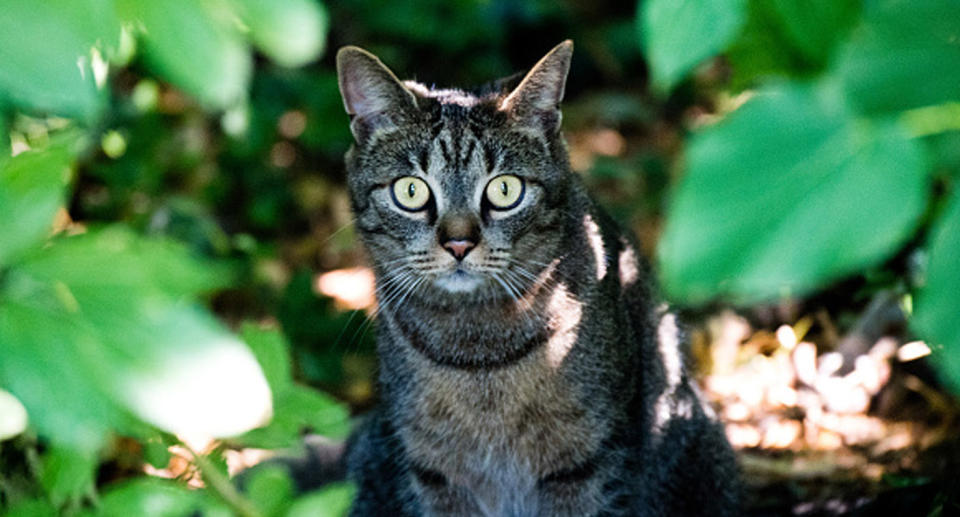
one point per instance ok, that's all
(505, 191)
(411, 193)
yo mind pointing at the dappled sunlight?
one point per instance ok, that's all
(564, 312)
(627, 265)
(216, 390)
(794, 413)
(596, 244)
(13, 416)
(668, 406)
(351, 289)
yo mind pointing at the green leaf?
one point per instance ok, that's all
(194, 46)
(109, 315)
(334, 500)
(271, 489)
(38, 342)
(298, 409)
(54, 73)
(67, 473)
(156, 452)
(149, 497)
(905, 55)
(116, 258)
(937, 302)
(32, 187)
(814, 28)
(763, 50)
(272, 352)
(679, 34)
(786, 194)
(291, 32)
(5, 150)
(32, 508)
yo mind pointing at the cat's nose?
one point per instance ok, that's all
(459, 247)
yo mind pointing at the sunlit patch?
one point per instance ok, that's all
(668, 335)
(217, 390)
(627, 265)
(912, 351)
(564, 312)
(596, 244)
(351, 289)
(787, 337)
(13, 416)
(667, 405)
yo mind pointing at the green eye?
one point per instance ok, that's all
(505, 192)
(411, 193)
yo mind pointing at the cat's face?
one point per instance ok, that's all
(456, 195)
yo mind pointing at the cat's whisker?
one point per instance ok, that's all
(505, 287)
(401, 282)
(348, 224)
(527, 303)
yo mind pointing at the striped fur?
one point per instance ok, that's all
(528, 378)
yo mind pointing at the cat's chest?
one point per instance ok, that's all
(507, 427)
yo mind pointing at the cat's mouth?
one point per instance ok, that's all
(459, 280)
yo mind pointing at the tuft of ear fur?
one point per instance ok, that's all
(371, 93)
(540, 92)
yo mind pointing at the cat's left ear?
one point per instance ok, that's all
(371, 93)
(537, 99)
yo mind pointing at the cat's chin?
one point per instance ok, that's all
(459, 281)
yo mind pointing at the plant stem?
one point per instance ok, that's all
(224, 489)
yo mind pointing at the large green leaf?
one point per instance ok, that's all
(149, 497)
(67, 473)
(109, 315)
(333, 500)
(788, 193)
(679, 34)
(39, 343)
(937, 302)
(117, 259)
(291, 32)
(270, 489)
(45, 51)
(194, 46)
(273, 354)
(906, 54)
(32, 187)
(296, 408)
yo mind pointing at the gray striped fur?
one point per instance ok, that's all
(535, 377)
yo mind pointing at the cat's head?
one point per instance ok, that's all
(456, 194)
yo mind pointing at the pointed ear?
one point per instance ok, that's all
(372, 95)
(540, 92)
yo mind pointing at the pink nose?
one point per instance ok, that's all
(459, 247)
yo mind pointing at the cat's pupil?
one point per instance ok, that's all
(504, 188)
(411, 190)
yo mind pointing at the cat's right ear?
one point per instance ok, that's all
(373, 97)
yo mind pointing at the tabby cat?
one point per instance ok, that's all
(526, 369)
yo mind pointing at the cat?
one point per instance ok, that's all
(526, 367)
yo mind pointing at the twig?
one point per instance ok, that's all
(882, 316)
(223, 488)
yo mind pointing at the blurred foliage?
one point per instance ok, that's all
(103, 326)
(828, 169)
(188, 157)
